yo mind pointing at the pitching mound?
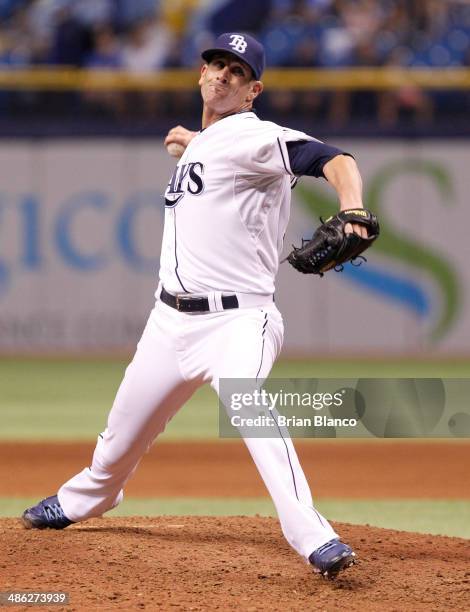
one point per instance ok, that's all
(236, 563)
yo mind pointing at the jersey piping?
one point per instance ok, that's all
(176, 255)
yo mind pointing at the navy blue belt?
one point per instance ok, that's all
(184, 303)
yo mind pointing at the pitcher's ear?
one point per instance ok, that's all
(203, 72)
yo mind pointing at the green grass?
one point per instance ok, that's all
(68, 399)
(439, 517)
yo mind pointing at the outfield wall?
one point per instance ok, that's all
(80, 235)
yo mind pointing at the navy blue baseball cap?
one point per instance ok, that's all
(243, 46)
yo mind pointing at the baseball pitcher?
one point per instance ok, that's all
(226, 212)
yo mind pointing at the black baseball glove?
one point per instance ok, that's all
(330, 246)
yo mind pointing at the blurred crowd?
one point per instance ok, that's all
(150, 35)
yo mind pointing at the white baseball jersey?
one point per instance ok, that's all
(227, 208)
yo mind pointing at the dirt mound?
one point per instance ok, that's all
(236, 563)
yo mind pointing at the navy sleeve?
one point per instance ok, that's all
(307, 157)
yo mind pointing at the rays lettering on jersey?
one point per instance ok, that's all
(186, 178)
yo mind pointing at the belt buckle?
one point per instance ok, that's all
(177, 302)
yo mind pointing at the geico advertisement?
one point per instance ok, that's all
(80, 235)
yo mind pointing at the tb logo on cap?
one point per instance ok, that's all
(238, 43)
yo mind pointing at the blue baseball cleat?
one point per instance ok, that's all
(47, 514)
(332, 558)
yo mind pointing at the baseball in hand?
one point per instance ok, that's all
(175, 150)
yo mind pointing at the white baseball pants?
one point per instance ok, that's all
(177, 353)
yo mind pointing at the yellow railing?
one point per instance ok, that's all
(42, 78)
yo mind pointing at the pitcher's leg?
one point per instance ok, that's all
(252, 345)
(152, 390)
(302, 525)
